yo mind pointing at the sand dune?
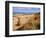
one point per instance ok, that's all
(26, 22)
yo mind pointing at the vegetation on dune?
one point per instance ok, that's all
(26, 22)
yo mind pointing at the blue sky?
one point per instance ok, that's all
(27, 10)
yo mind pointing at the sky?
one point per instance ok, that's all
(25, 10)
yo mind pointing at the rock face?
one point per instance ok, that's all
(26, 22)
